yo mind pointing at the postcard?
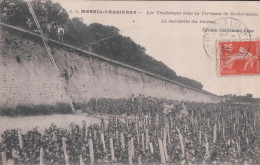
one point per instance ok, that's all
(129, 82)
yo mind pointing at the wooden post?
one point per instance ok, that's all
(254, 120)
(143, 142)
(165, 150)
(112, 149)
(137, 133)
(171, 121)
(65, 151)
(41, 156)
(71, 128)
(234, 149)
(246, 119)
(161, 151)
(95, 135)
(91, 151)
(156, 119)
(219, 127)
(81, 160)
(207, 147)
(10, 161)
(103, 141)
(83, 127)
(151, 147)
(132, 147)
(215, 134)
(224, 131)
(139, 160)
(20, 139)
(200, 135)
(238, 146)
(145, 121)
(181, 142)
(4, 159)
(122, 140)
(130, 156)
(87, 132)
(164, 144)
(117, 136)
(54, 137)
(192, 118)
(130, 151)
(169, 139)
(147, 139)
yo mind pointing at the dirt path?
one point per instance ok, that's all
(43, 122)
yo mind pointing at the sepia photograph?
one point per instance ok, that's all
(129, 82)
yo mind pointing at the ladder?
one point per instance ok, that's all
(49, 52)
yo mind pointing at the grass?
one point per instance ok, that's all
(33, 110)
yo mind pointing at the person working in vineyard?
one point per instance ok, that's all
(173, 108)
(132, 103)
(139, 101)
(183, 112)
(166, 109)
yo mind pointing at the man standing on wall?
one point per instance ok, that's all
(29, 23)
(61, 33)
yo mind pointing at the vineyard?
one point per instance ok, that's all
(210, 134)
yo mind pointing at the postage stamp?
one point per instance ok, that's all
(238, 58)
(226, 28)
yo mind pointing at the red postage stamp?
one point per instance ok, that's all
(239, 58)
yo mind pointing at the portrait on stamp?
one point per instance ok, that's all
(239, 57)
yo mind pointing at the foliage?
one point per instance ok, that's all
(42, 109)
(120, 106)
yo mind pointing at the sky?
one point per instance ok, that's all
(179, 45)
